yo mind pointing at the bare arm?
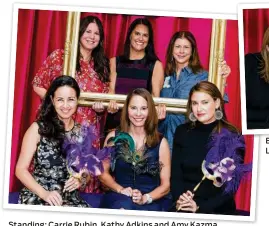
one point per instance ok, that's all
(164, 188)
(28, 149)
(113, 75)
(41, 92)
(157, 79)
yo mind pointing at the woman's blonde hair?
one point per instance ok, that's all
(264, 70)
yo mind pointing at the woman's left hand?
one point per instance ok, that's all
(186, 202)
(72, 184)
(190, 206)
(137, 197)
(225, 70)
(98, 107)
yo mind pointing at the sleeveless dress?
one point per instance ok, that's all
(131, 74)
(144, 178)
(51, 173)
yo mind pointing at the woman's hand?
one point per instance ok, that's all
(112, 107)
(53, 198)
(225, 70)
(126, 191)
(98, 107)
(138, 198)
(72, 184)
(186, 202)
(161, 111)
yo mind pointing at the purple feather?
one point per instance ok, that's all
(81, 155)
(224, 161)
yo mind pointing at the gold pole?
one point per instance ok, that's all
(217, 50)
(75, 36)
(68, 44)
(71, 43)
(172, 104)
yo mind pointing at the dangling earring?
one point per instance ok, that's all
(192, 117)
(172, 59)
(218, 114)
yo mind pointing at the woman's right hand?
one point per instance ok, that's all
(161, 111)
(112, 107)
(98, 107)
(53, 198)
(126, 191)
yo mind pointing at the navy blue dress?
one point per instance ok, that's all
(144, 178)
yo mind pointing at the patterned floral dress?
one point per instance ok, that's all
(88, 81)
(51, 173)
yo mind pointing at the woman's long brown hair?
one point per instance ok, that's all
(151, 124)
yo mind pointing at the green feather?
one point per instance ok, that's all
(126, 149)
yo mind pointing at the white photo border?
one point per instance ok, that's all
(7, 205)
(240, 8)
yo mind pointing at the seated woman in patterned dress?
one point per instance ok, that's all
(49, 184)
(140, 178)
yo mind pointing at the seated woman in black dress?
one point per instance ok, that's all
(50, 182)
(140, 178)
(207, 136)
(257, 86)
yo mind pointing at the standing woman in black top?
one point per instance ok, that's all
(257, 86)
(207, 124)
(137, 67)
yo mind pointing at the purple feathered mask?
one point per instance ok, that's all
(81, 155)
(224, 161)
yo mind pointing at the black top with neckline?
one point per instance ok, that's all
(189, 151)
(257, 93)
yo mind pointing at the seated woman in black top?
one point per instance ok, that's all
(257, 86)
(207, 129)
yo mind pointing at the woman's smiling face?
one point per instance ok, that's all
(138, 111)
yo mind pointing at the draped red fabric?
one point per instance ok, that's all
(255, 21)
(40, 32)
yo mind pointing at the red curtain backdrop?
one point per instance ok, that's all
(40, 32)
(256, 21)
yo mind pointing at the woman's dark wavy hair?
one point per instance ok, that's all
(50, 126)
(149, 51)
(101, 62)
